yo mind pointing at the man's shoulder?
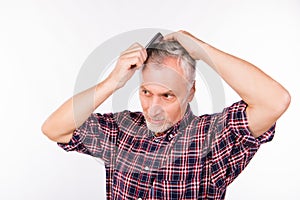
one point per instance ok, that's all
(128, 114)
(128, 118)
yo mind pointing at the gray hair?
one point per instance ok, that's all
(172, 48)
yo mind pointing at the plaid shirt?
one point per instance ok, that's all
(197, 158)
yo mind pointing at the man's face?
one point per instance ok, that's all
(164, 94)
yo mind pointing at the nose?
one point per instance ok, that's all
(156, 109)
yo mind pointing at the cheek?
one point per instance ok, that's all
(174, 111)
(144, 102)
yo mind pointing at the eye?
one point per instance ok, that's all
(168, 96)
(145, 92)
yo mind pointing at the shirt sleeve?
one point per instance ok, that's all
(97, 137)
(233, 145)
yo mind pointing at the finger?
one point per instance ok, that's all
(138, 52)
(133, 62)
(141, 52)
(131, 48)
(128, 52)
(140, 62)
(136, 49)
(144, 54)
(172, 36)
(135, 46)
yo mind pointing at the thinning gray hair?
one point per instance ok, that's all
(172, 48)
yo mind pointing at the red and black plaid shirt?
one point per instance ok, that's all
(196, 159)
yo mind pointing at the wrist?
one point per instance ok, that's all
(201, 50)
(112, 83)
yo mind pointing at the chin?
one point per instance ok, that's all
(158, 129)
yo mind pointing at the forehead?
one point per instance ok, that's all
(168, 74)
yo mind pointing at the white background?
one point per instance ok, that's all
(43, 45)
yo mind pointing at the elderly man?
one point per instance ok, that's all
(166, 152)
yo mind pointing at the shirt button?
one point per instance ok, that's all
(146, 168)
(156, 140)
(139, 199)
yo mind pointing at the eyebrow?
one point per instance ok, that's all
(163, 93)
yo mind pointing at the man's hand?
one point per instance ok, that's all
(189, 42)
(61, 124)
(129, 61)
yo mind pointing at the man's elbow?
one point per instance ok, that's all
(282, 102)
(278, 104)
(47, 132)
(56, 136)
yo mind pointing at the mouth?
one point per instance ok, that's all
(156, 121)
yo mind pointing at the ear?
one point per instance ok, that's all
(192, 92)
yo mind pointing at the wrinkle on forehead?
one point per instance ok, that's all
(168, 74)
(171, 62)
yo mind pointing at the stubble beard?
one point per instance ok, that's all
(159, 128)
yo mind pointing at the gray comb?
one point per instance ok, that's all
(156, 39)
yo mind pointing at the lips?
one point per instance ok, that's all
(153, 121)
(156, 121)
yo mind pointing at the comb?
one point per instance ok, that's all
(156, 39)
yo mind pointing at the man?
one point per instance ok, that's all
(166, 152)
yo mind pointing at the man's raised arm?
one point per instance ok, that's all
(267, 100)
(74, 112)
